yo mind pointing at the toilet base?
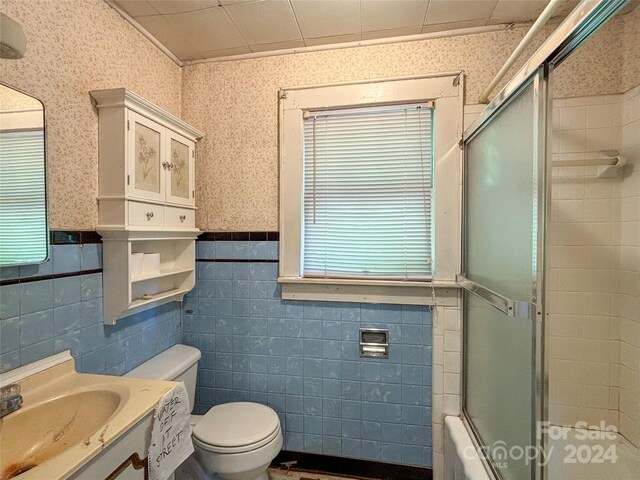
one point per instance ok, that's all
(191, 469)
(250, 465)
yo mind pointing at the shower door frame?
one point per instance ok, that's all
(517, 310)
(579, 25)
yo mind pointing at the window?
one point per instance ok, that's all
(363, 167)
(367, 193)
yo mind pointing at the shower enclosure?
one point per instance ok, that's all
(510, 279)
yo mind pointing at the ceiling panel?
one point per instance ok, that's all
(517, 10)
(160, 28)
(350, 37)
(277, 46)
(446, 11)
(391, 14)
(168, 7)
(231, 2)
(225, 52)
(393, 32)
(137, 8)
(443, 27)
(269, 21)
(324, 18)
(195, 29)
(209, 29)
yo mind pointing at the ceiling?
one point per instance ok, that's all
(200, 29)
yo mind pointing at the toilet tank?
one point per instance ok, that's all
(178, 363)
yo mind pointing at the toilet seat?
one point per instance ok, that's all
(236, 427)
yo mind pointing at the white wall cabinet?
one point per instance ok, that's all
(146, 201)
(160, 162)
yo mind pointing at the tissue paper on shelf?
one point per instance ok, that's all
(151, 264)
(136, 264)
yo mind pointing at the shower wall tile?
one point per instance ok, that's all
(302, 359)
(43, 317)
(627, 277)
(594, 274)
(584, 344)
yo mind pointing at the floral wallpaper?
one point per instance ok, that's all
(74, 47)
(235, 103)
(77, 46)
(631, 52)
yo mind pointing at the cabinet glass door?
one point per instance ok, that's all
(180, 170)
(144, 158)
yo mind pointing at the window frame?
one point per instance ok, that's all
(446, 90)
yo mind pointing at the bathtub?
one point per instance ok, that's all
(461, 461)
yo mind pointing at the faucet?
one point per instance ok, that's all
(10, 399)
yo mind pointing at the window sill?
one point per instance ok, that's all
(370, 291)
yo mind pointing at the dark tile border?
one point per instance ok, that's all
(14, 281)
(73, 237)
(239, 236)
(353, 467)
(236, 260)
(76, 237)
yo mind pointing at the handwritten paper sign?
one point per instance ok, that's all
(171, 442)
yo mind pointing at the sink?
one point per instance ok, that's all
(71, 423)
(37, 433)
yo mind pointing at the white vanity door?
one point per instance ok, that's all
(180, 184)
(146, 158)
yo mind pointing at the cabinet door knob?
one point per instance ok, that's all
(170, 166)
(149, 215)
(183, 218)
(165, 165)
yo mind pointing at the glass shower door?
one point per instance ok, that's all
(504, 163)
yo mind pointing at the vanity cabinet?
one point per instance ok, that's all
(146, 202)
(124, 459)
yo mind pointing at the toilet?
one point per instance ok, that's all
(235, 441)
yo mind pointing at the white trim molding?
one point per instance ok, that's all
(446, 89)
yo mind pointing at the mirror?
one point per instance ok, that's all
(23, 201)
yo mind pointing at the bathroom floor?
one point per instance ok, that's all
(191, 470)
(278, 474)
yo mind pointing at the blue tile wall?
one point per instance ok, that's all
(302, 359)
(40, 318)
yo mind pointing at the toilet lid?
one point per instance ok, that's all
(237, 424)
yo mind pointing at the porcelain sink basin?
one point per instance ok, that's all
(37, 433)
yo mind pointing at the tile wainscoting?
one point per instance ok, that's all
(57, 305)
(302, 358)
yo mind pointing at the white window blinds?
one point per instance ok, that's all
(367, 193)
(23, 221)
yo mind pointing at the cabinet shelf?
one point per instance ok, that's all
(163, 273)
(167, 294)
(123, 292)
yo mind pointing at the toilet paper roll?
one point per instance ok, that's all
(151, 264)
(136, 264)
